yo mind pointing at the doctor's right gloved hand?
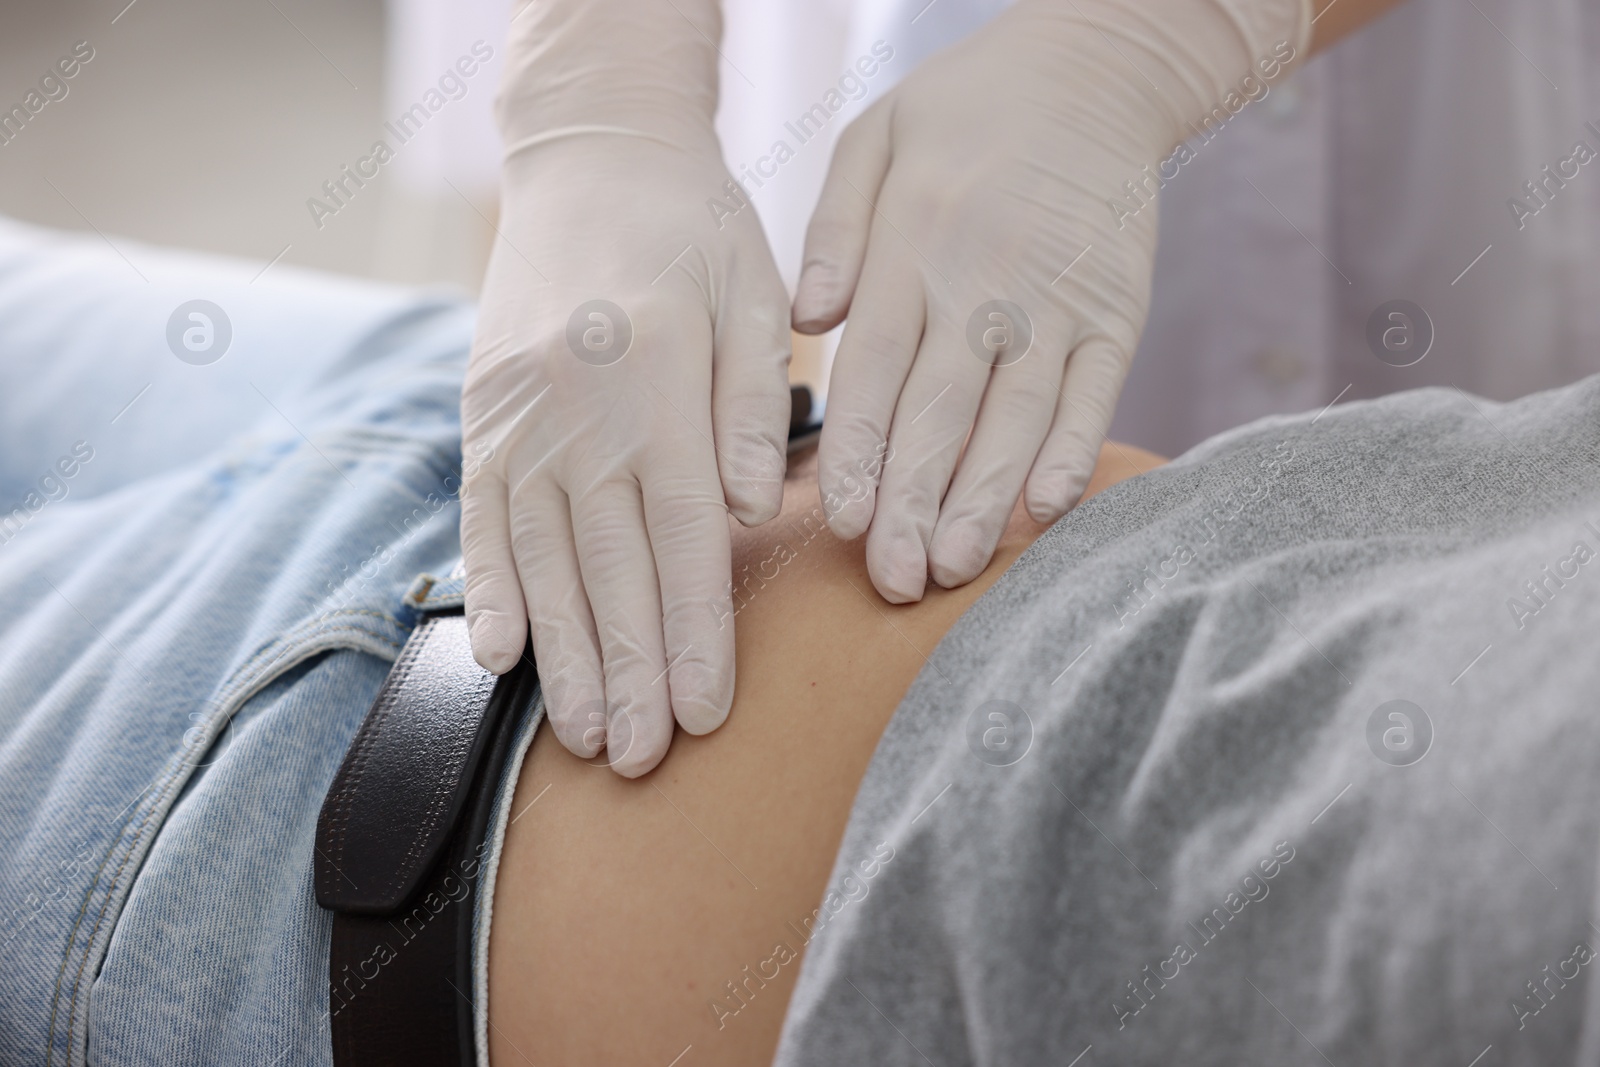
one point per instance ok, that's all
(969, 227)
(627, 387)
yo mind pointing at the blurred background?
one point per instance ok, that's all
(210, 124)
(1378, 176)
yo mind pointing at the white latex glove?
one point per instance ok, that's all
(616, 438)
(983, 177)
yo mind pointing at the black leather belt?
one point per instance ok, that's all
(400, 846)
(402, 833)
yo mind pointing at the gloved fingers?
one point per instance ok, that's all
(566, 648)
(750, 391)
(688, 528)
(836, 239)
(931, 420)
(619, 574)
(497, 618)
(875, 355)
(1088, 398)
(1013, 420)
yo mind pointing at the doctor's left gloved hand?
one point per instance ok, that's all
(967, 227)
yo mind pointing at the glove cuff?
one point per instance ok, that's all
(631, 66)
(1269, 39)
(1264, 24)
(1196, 62)
(1229, 51)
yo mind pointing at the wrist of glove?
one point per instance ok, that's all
(638, 65)
(1184, 60)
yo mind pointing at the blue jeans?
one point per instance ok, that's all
(204, 575)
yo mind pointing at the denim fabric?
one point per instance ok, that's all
(192, 623)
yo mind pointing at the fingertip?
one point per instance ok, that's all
(851, 462)
(753, 507)
(1045, 513)
(492, 645)
(580, 727)
(900, 573)
(635, 768)
(817, 300)
(701, 698)
(633, 747)
(1052, 494)
(958, 555)
(699, 716)
(849, 506)
(753, 485)
(753, 512)
(850, 521)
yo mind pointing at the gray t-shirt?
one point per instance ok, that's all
(1284, 753)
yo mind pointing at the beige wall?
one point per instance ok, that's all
(208, 124)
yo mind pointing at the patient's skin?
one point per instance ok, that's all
(624, 907)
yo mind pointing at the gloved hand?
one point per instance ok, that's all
(968, 227)
(627, 386)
